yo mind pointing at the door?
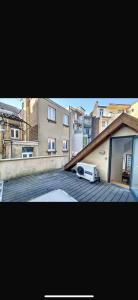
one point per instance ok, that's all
(134, 177)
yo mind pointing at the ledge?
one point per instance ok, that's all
(66, 125)
(49, 152)
(51, 121)
(31, 158)
(15, 142)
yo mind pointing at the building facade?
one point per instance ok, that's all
(102, 116)
(77, 127)
(12, 144)
(133, 109)
(81, 129)
(87, 130)
(50, 126)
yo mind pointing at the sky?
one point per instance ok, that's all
(87, 103)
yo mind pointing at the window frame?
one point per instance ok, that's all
(101, 110)
(27, 153)
(49, 119)
(67, 144)
(65, 115)
(105, 124)
(52, 139)
(15, 130)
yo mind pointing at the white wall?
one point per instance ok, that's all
(100, 158)
(77, 142)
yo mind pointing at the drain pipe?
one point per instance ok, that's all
(11, 148)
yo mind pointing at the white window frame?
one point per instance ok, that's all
(65, 142)
(50, 140)
(105, 124)
(101, 110)
(64, 120)
(15, 130)
(51, 115)
(27, 154)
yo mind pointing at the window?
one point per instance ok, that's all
(66, 120)
(101, 112)
(27, 152)
(128, 162)
(104, 124)
(14, 133)
(65, 145)
(51, 145)
(27, 155)
(76, 116)
(87, 131)
(51, 114)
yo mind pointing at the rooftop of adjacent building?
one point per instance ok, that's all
(9, 108)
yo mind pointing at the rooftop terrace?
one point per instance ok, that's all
(29, 187)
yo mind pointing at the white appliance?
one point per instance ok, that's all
(87, 171)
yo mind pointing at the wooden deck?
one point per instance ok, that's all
(29, 187)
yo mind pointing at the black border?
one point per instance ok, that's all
(88, 247)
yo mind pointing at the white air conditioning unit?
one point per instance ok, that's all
(87, 171)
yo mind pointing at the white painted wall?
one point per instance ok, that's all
(100, 160)
(77, 142)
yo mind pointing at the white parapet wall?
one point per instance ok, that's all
(13, 168)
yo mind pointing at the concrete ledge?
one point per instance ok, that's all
(31, 158)
(16, 142)
(18, 167)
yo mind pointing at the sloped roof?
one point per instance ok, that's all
(10, 108)
(123, 120)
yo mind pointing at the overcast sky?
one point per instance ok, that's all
(87, 103)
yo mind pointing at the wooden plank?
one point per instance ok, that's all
(124, 197)
(83, 196)
(89, 196)
(85, 188)
(100, 193)
(117, 196)
(89, 190)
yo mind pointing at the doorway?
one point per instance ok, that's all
(134, 177)
(121, 149)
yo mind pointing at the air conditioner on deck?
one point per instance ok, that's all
(87, 171)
